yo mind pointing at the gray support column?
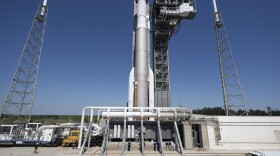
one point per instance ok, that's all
(124, 133)
(160, 138)
(159, 132)
(188, 139)
(142, 138)
(204, 138)
(124, 137)
(105, 138)
(88, 135)
(90, 127)
(178, 138)
(81, 129)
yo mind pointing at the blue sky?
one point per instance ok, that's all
(86, 55)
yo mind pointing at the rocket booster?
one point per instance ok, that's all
(141, 52)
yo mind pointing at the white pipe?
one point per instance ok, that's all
(119, 132)
(132, 131)
(128, 131)
(215, 6)
(81, 128)
(131, 88)
(115, 132)
(138, 108)
(216, 11)
(44, 6)
(147, 112)
(151, 91)
(136, 114)
(90, 130)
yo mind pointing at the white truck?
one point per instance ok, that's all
(10, 133)
(52, 135)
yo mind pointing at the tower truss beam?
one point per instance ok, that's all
(166, 18)
(20, 98)
(234, 102)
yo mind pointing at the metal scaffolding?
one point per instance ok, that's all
(166, 18)
(19, 101)
(234, 102)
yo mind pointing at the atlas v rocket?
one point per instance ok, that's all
(141, 77)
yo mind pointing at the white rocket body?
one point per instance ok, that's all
(141, 77)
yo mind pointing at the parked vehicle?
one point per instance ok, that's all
(50, 135)
(263, 153)
(30, 131)
(72, 139)
(10, 133)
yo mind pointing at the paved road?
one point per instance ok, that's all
(42, 151)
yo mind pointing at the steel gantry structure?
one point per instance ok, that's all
(19, 101)
(166, 18)
(234, 102)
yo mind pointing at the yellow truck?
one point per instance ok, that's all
(72, 139)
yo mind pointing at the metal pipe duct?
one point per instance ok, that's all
(142, 112)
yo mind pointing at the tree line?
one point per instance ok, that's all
(221, 111)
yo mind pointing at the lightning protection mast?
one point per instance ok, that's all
(19, 101)
(234, 102)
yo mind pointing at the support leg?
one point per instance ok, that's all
(142, 138)
(124, 138)
(90, 127)
(105, 138)
(160, 138)
(178, 138)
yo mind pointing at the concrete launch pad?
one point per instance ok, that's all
(113, 151)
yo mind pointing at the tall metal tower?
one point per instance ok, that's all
(19, 101)
(166, 18)
(234, 102)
